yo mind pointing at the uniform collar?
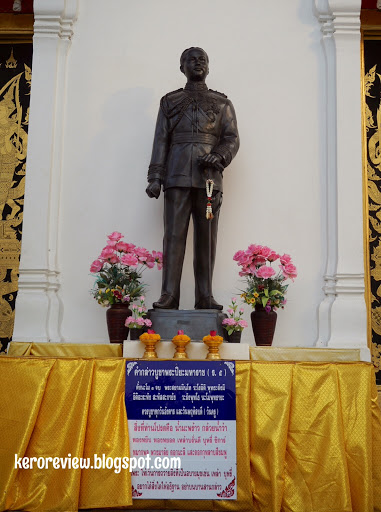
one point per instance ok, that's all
(195, 86)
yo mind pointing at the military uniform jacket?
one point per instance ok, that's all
(191, 123)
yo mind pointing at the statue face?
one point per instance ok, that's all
(195, 66)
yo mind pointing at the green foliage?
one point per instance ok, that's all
(265, 292)
(115, 284)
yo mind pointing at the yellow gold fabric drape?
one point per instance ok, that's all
(315, 438)
(56, 407)
(308, 436)
(324, 355)
(18, 348)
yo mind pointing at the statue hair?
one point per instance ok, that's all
(184, 54)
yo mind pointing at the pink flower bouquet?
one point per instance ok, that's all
(139, 311)
(234, 321)
(119, 270)
(265, 285)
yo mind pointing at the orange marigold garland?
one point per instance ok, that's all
(180, 336)
(150, 335)
(213, 337)
(149, 338)
(181, 340)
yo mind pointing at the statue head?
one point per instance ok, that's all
(194, 63)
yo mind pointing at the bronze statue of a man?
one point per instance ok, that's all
(196, 137)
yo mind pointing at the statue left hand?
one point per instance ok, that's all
(213, 159)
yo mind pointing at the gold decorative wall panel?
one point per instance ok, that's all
(372, 162)
(15, 83)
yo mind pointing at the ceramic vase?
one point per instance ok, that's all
(235, 337)
(263, 324)
(135, 333)
(116, 316)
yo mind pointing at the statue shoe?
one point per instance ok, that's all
(204, 303)
(166, 301)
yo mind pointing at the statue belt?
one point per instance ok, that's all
(202, 138)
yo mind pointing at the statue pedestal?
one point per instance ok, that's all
(196, 323)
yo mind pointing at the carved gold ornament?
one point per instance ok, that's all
(11, 63)
(372, 121)
(14, 120)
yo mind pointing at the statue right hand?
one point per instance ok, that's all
(153, 189)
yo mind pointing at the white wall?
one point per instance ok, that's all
(266, 56)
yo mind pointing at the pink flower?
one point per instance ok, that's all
(129, 320)
(150, 261)
(285, 259)
(228, 321)
(289, 271)
(115, 235)
(130, 247)
(259, 260)
(265, 272)
(241, 310)
(158, 255)
(113, 259)
(158, 258)
(234, 300)
(126, 298)
(148, 322)
(96, 266)
(140, 309)
(107, 252)
(265, 251)
(122, 246)
(141, 253)
(254, 249)
(231, 312)
(242, 258)
(142, 298)
(251, 269)
(140, 321)
(111, 243)
(130, 260)
(242, 323)
(273, 256)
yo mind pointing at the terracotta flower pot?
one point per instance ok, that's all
(116, 316)
(263, 324)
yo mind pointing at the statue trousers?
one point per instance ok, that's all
(179, 205)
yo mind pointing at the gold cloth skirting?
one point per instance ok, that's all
(19, 348)
(303, 354)
(308, 436)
